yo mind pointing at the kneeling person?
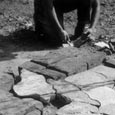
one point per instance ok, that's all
(48, 17)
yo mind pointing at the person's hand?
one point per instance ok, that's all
(90, 33)
(89, 30)
(65, 36)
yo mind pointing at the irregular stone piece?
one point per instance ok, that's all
(35, 112)
(110, 62)
(87, 78)
(70, 65)
(72, 92)
(108, 109)
(49, 110)
(19, 107)
(49, 59)
(71, 60)
(104, 95)
(32, 66)
(80, 96)
(62, 86)
(40, 69)
(31, 84)
(6, 81)
(10, 105)
(107, 72)
(76, 108)
(5, 96)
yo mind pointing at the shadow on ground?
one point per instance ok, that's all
(22, 40)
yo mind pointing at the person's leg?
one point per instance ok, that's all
(83, 19)
(43, 30)
(36, 17)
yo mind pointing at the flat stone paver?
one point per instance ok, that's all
(80, 96)
(110, 61)
(108, 109)
(61, 83)
(33, 84)
(10, 105)
(106, 71)
(49, 110)
(40, 69)
(104, 95)
(6, 81)
(76, 108)
(64, 62)
(62, 86)
(86, 78)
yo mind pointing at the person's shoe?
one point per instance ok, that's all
(80, 41)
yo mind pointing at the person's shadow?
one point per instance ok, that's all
(22, 40)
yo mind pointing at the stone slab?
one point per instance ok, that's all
(70, 65)
(40, 69)
(108, 109)
(6, 81)
(76, 108)
(71, 60)
(108, 72)
(80, 96)
(63, 87)
(35, 112)
(19, 107)
(72, 92)
(104, 95)
(10, 105)
(49, 110)
(33, 84)
(110, 62)
(86, 79)
(49, 59)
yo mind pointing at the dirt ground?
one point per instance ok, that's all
(17, 41)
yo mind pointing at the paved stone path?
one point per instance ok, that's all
(64, 82)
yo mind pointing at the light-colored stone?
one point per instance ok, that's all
(86, 78)
(108, 72)
(76, 108)
(104, 95)
(49, 110)
(35, 112)
(80, 96)
(62, 86)
(108, 109)
(31, 84)
(72, 92)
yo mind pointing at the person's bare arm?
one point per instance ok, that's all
(53, 20)
(95, 13)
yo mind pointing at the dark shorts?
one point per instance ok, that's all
(65, 6)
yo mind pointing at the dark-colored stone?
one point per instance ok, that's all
(71, 60)
(110, 62)
(37, 68)
(10, 105)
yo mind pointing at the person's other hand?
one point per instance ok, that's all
(89, 30)
(65, 36)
